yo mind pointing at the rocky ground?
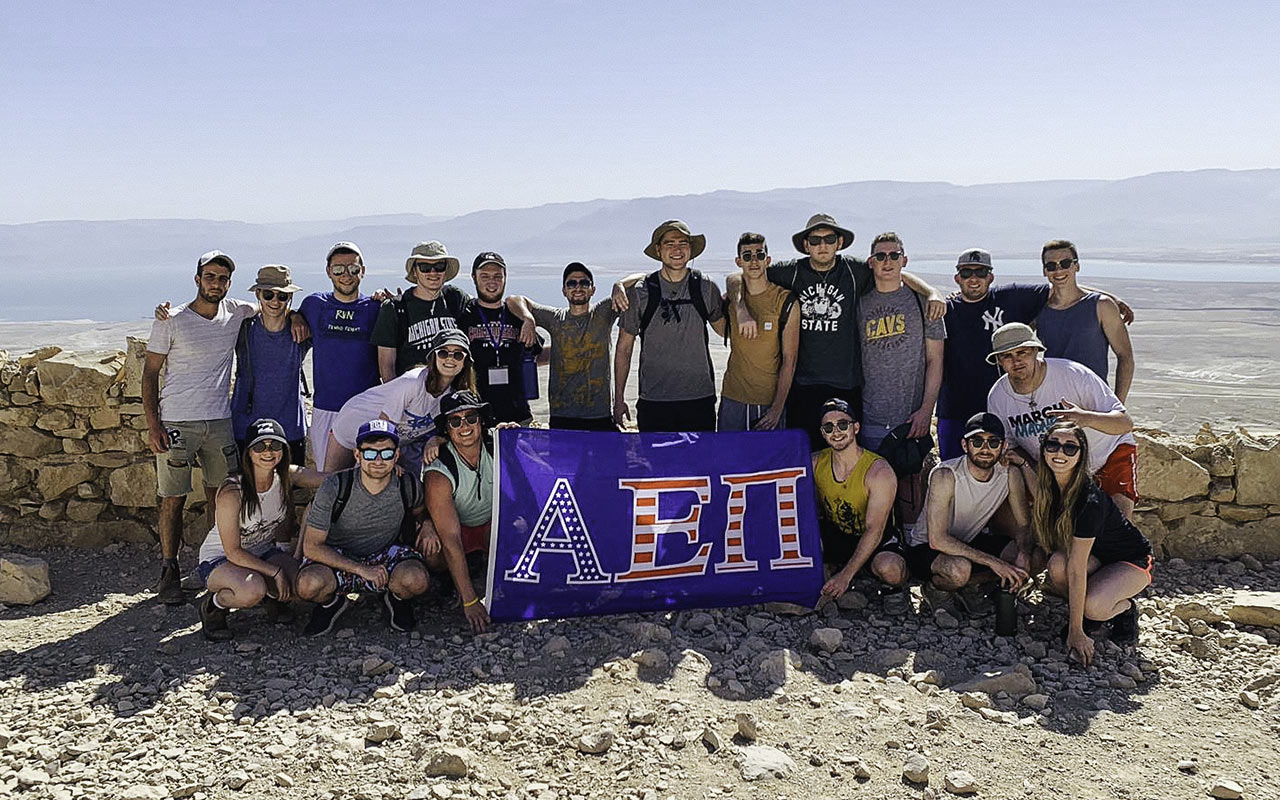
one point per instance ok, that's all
(105, 694)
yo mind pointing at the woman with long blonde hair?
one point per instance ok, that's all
(1096, 556)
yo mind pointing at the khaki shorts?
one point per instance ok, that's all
(207, 444)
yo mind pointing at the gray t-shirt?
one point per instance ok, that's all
(370, 523)
(197, 367)
(580, 365)
(893, 329)
(675, 363)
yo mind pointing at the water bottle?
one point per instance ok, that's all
(1006, 613)
(530, 369)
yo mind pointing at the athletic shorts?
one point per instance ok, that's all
(676, 416)
(735, 416)
(475, 537)
(1119, 474)
(208, 444)
(838, 548)
(920, 557)
(206, 568)
(1143, 565)
(392, 557)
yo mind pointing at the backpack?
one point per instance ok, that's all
(408, 525)
(243, 356)
(653, 294)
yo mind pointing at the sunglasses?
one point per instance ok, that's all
(373, 454)
(830, 238)
(840, 424)
(469, 418)
(974, 272)
(264, 446)
(452, 355)
(753, 255)
(881, 256)
(989, 442)
(1054, 266)
(438, 266)
(576, 283)
(345, 269)
(1067, 448)
(271, 295)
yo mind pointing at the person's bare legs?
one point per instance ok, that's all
(235, 586)
(408, 579)
(890, 568)
(317, 583)
(1110, 588)
(1125, 504)
(951, 572)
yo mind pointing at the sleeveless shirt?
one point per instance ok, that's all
(843, 504)
(258, 532)
(1074, 333)
(975, 502)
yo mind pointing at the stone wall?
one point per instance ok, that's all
(75, 468)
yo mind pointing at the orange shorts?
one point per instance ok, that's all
(1119, 474)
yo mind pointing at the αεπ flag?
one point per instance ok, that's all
(606, 523)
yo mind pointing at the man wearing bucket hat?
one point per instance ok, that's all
(269, 363)
(1036, 392)
(669, 311)
(827, 286)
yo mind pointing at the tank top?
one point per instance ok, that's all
(258, 532)
(751, 377)
(1075, 333)
(975, 502)
(843, 504)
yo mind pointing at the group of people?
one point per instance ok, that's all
(1036, 459)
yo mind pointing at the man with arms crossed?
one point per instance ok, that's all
(1036, 391)
(758, 377)
(855, 489)
(951, 538)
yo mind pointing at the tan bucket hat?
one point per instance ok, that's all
(275, 276)
(1010, 337)
(697, 243)
(430, 251)
(822, 221)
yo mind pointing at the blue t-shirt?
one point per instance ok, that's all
(345, 362)
(966, 375)
(269, 381)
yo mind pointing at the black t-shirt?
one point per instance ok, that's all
(1114, 537)
(409, 323)
(499, 360)
(966, 375)
(829, 349)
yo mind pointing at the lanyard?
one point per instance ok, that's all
(488, 331)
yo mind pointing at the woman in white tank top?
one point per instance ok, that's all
(240, 563)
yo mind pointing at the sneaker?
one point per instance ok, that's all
(277, 612)
(896, 602)
(399, 613)
(1124, 626)
(213, 621)
(936, 599)
(324, 617)
(976, 601)
(169, 587)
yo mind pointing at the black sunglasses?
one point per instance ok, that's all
(271, 295)
(469, 418)
(842, 424)
(574, 283)
(989, 442)
(753, 255)
(439, 266)
(974, 272)
(881, 256)
(1067, 448)
(264, 446)
(1054, 266)
(830, 238)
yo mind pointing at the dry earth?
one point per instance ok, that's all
(106, 694)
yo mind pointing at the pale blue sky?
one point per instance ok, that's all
(275, 111)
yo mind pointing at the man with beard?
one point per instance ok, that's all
(493, 331)
(952, 543)
(190, 418)
(579, 381)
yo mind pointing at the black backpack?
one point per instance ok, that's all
(653, 294)
(408, 526)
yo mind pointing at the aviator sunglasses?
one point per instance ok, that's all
(1067, 448)
(841, 424)
(966, 273)
(339, 270)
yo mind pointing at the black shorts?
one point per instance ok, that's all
(920, 557)
(583, 424)
(676, 416)
(838, 547)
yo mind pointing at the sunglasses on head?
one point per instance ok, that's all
(469, 418)
(436, 266)
(814, 240)
(376, 453)
(753, 255)
(1054, 266)
(1067, 448)
(974, 272)
(892, 256)
(271, 295)
(267, 444)
(575, 283)
(840, 424)
(345, 269)
(452, 355)
(989, 442)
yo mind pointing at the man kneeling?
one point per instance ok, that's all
(952, 536)
(354, 528)
(856, 489)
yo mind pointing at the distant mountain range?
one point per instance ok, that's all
(1210, 215)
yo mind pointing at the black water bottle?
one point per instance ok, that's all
(1006, 613)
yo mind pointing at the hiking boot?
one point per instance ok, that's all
(936, 599)
(897, 602)
(213, 621)
(1124, 626)
(277, 612)
(169, 587)
(975, 601)
(399, 613)
(324, 617)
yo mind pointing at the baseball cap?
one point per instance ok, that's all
(263, 429)
(983, 422)
(576, 266)
(974, 257)
(343, 247)
(836, 404)
(1010, 337)
(377, 429)
(488, 257)
(215, 255)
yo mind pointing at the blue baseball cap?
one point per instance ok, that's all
(377, 429)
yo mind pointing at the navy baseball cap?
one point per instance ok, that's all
(377, 429)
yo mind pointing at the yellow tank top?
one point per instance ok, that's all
(843, 504)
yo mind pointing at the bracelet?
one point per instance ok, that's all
(471, 603)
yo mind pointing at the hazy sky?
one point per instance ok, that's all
(287, 111)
